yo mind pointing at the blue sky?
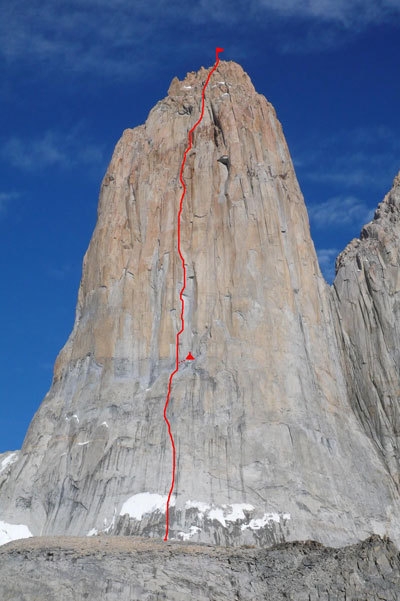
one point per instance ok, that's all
(75, 74)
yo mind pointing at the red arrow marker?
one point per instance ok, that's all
(189, 357)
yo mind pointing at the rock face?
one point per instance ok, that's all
(279, 435)
(144, 570)
(367, 295)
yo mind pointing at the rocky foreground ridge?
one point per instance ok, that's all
(130, 569)
(286, 423)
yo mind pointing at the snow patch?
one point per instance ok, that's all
(235, 512)
(108, 529)
(8, 461)
(217, 514)
(67, 418)
(201, 507)
(81, 444)
(238, 510)
(187, 87)
(188, 535)
(9, 532)
(144, 503)
(257, 524)
(104, 424)
(221, 513)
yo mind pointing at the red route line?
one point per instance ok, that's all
(188, 148)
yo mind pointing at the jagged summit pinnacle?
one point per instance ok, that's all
(391, 202)
(380, 233)
(228, 72)
(271, 442)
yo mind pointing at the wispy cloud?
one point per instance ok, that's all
(5, 199)
(348, 13)
(51, 149)
(340, 211)
(352, 158)
(86, 36)
(123, 38)
(59, 272)
(34, 154)
(326, 258)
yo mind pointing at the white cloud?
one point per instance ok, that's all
(340, 211)
(51, 149)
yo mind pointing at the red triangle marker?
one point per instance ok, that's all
(189, 357)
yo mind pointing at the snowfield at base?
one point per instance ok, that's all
(222, 513)
(234, 513)
(145, 502)
(188, 535)
(201, 507)
(9, 532)
(257, 524)
(8, 461)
